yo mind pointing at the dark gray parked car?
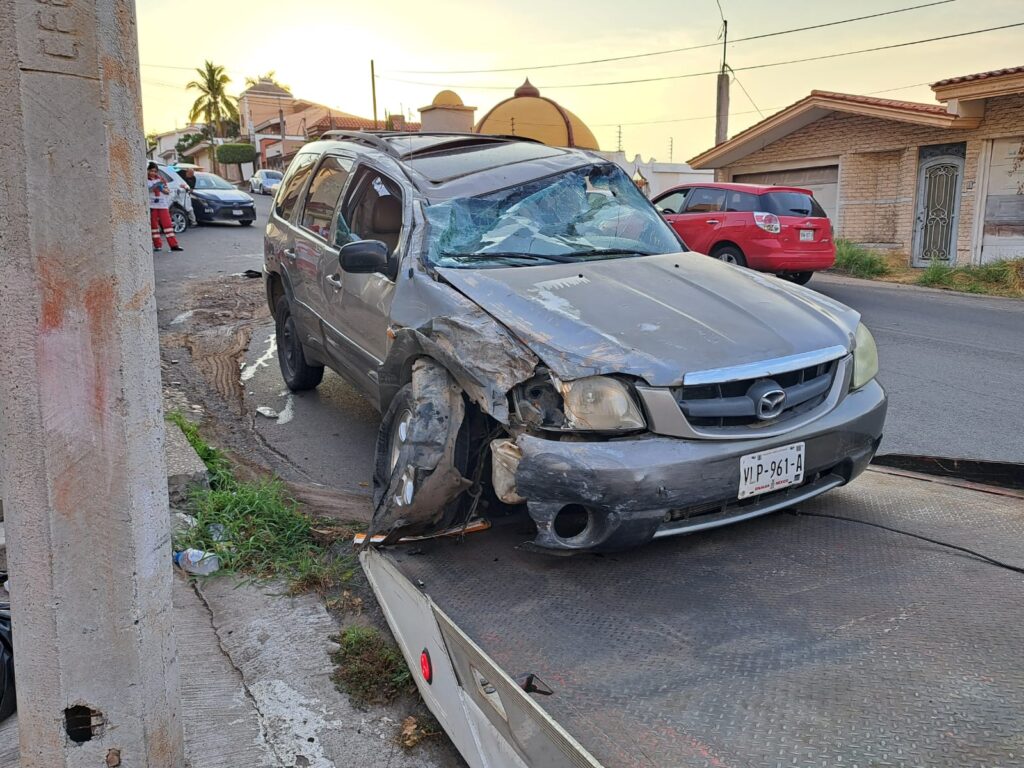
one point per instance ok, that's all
(536, 336)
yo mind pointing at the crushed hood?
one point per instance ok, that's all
(655, 317)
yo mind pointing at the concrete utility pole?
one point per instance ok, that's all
(373, 90)
(722, 101)
(80, 419)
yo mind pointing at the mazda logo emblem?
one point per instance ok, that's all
(771, 404)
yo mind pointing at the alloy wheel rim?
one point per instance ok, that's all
(399, 436)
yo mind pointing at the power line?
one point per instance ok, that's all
(745, 112)
(746, 93)
(715, 71)
(665, 52)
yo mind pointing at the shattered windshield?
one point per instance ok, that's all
(589, 212)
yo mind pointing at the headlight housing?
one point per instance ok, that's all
(865, 357)
(600, 403)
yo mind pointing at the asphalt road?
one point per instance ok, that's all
(953, 366)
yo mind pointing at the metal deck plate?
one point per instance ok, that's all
(783, 641)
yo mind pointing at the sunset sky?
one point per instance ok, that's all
(322, 51)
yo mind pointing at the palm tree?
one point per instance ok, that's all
(270, 77)
(214, 106)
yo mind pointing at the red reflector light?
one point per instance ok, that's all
(426, 667)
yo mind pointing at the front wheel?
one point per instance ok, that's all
(298, 375)
(179, 220)
(730, 254)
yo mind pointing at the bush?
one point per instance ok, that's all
(858, 261)
(236, 153)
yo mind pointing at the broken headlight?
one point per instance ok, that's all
(865, 357)
(600, 403)
(593, 404)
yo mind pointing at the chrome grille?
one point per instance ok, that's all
(734, 403)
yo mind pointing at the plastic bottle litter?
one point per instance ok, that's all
(217, 531)
(196, 561)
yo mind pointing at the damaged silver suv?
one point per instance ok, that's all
(538, 338)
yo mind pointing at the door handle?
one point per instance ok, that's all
(289, 254)
(334, 280)
(711, 221)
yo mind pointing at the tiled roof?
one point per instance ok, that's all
(909, 106)
(350, 122)
(979, 76)
(852, 98)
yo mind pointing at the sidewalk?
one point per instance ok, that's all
(256, 688)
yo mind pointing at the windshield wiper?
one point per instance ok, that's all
(611, 252)
(560, 258)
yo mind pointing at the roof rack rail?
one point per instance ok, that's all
(364, 137)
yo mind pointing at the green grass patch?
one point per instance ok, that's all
(370, 668)
(256, 529)
(1001, 278)
(216, 462)
(858, 261)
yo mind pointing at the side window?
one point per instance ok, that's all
(324, 193)
(672, 203)
(291, 186)
(372, 211)
(704, 200)
(741, 202)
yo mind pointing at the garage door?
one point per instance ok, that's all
(822, 180)
(1004, 204)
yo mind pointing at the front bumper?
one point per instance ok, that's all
(210, 212)
(633, 490)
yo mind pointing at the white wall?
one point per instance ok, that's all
(660, 176)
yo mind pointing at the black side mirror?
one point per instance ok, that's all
(364, 257)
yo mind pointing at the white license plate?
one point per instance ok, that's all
(806, 235)
(771, 470)
(237, 211)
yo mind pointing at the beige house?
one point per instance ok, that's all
(278, 124)
(942, 181)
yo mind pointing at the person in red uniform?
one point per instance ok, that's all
(159, 213)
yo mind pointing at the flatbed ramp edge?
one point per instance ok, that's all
(790, 640)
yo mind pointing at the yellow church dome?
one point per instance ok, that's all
(447, 98)
(529, 114)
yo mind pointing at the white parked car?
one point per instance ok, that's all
(265, 182)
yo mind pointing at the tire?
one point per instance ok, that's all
(179, 220)
(730, 254)
(247, 223)
(402, 409)
(298, 374)
(800, 278)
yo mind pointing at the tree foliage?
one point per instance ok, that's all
(236, 153)
(269, 77)
(188, 141)
(213, 106)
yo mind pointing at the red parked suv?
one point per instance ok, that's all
(772, 229)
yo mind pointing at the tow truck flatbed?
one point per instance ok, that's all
(789, 640)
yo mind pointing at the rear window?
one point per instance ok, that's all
(792, 204)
